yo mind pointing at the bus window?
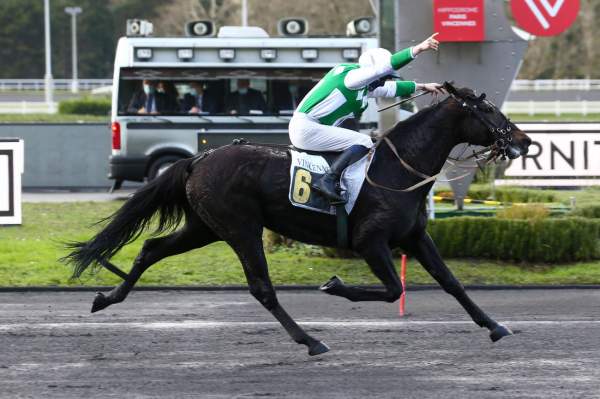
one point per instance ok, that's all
(213, 92)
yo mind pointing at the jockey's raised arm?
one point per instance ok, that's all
(341, 95)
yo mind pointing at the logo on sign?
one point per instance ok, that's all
(459, 20)
(545, 17)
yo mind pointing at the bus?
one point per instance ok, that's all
(206, 91)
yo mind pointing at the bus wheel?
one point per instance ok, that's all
(161, 164)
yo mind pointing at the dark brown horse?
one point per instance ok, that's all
(234, 192)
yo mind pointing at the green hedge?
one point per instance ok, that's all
(588, 211)
(85, 106)
(511, 194)
(547, 240)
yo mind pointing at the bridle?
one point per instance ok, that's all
(498, 150)
(502, 134)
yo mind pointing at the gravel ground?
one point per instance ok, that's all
(224, 345)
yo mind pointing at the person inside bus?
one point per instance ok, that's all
(342, 94)
(143, 100)
(245, 99)
(149, 100)
(199, 100)
(167, 97)
(288, 94)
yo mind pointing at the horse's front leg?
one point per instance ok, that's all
(424, 249)
(381, 262)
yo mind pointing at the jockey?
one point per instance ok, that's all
(342, 94)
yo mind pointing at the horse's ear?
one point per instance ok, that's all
(448, 86)
(481, 97)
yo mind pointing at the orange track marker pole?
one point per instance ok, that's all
(402, 303)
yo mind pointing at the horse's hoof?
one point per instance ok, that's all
(318, 348)
(100, 302)
(499, 332)
(333, 283)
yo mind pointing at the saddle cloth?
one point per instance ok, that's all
(307, 168)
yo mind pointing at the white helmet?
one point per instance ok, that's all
(375, 57)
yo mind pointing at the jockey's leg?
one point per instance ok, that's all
(307, 134)
(328, 185)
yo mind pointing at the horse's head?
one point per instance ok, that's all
(484, 124)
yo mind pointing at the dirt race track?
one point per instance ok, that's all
(224, 345)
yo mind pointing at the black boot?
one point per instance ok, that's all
(328, 184)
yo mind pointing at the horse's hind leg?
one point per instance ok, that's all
(251, 254)
(193, 235)
(380, 260)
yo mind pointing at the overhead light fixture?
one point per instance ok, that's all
(310, 54)
(268, 54)
(185, 54)
(350, 53)
(143, 53)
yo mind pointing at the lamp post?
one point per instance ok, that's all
(73, 11)
(244, 12)
(48, 82)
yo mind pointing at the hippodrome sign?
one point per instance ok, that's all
(11, 168)
(545, 17)
(560, 155)
(459, 20)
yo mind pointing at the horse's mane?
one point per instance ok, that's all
(417, 119)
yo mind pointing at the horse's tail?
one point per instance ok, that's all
(164, 195)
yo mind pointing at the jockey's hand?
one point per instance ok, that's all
(433, 88)
(428, 44)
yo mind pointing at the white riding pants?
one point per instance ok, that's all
(308, 134)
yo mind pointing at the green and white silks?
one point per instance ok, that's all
(342, 94)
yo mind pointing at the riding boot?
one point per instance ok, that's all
(328, 185)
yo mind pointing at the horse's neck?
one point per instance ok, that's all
(425, 143)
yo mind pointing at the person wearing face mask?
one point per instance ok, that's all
(144, 100)
(245, 99)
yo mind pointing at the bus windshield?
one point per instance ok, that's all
(216, 91)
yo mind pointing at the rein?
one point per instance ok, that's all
(502, 136)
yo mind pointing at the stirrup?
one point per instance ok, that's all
(333, 201)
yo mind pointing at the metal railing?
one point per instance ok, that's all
(551, 107)
(555, 85)
(59, 84)
(28, 107)
(518, 85)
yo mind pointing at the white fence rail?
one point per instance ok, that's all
(555, 85)
(27, 107)
(518, 85)
(552, 107)
(59, 84)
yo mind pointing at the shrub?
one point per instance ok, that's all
(527, 212)
(85, 106)
(588, 211)
(540, 240)
(512, 194)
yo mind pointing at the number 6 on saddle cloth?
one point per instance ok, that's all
(307, 167)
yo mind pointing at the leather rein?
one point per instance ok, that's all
(502, 137)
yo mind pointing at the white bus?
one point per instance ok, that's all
(249, 83)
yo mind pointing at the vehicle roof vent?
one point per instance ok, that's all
(242, 31)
